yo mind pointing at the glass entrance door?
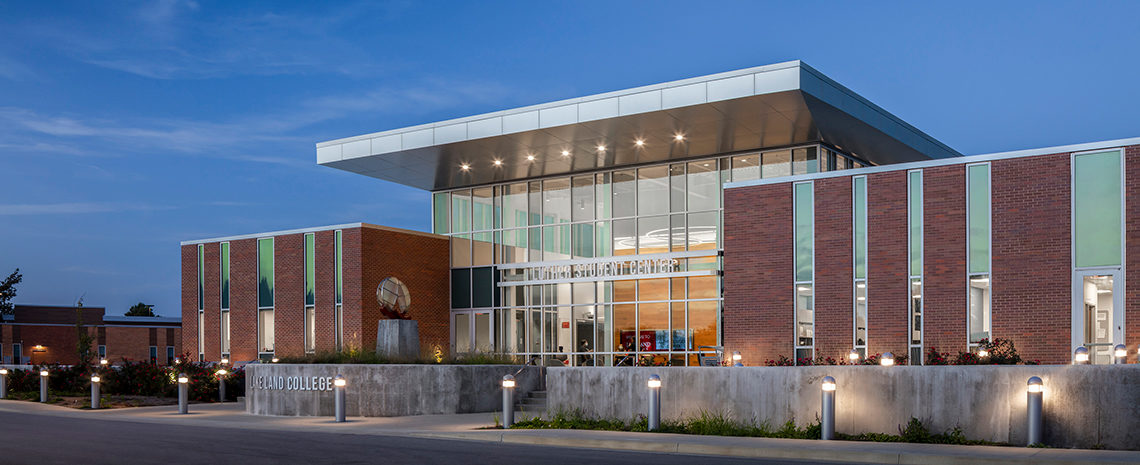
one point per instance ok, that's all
(1098, 312)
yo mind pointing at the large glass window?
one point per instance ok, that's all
(804, 160)
(653, 190)
(746, 167)
(440, 213)
(978, 249)
(1098, 209)
(859, 250)
(704, 185)
(515, 206)
(803, 198)
(225, 332)
(461, 211)
(224, 258)
(777, 163)
(915, 237)
(482, 209)
(582, 198)
(625, 190)
(265, 272)
(556, 201)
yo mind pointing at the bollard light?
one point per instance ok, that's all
(654, 385)
(3, 383)
(508, 401)
(983, 353)
(853, 356)
(1119, 353)
(102, 362)
(275, 360)
(95, 391)
(827, 409)
(339, 384)
(183, 394)
(44, 385)
(225, 361)
(1033, 417)
(222, 385)
(177, 361)
(888, 359)
(1081, 356)
(736, 359)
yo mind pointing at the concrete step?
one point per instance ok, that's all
(537, 394)
(533, 402)
(532, 408)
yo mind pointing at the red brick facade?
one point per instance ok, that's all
(1031, 264)
(48, 335)
(370, 254)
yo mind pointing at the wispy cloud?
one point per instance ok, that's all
(73, 208)
(13, 70)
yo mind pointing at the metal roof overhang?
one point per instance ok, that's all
(757, 108)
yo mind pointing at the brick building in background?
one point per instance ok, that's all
(310, 290)
(47, 334)
(1030, 246)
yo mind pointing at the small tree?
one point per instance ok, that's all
(83, 338)
(8, 292)
(141, 309)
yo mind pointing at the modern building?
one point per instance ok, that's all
(38, 334)
(770, 211)
(286, 293)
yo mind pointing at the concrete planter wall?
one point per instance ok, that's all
(1083, 405)
(380, 390)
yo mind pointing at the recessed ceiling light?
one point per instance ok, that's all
(464, 167)
(678, 137)
(498, 162)
(566, 153)
(639, 142)
(529, 157)
(601, 148)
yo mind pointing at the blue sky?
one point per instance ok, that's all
(126, 127)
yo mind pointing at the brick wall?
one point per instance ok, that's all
(1132, 254)
(326, 291)
(758, 272)
(834, 304)
(189, 299)
(289, 295)
(888, 291)
(944, 258)
(213, 300)
(243, 300)
(1031, 264)
(425, 273)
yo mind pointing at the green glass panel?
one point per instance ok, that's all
(339, 268)
(978, 218)
(310, 269)
(1097, 209)
(804, 233)
(603, 238)
(440, 215)
(460, 211)
(201, 277)
(265, 272)
(859, 211)
(225, 272)
(915, 219)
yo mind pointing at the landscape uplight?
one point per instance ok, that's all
(827, 409)
(103, 362)
(1119, 353)
(275, 360)
(853, 356)
(1081, 356)
(983, 353)
(888, 359)
(736, 359)
(225, 361)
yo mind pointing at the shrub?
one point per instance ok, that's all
(359, 357)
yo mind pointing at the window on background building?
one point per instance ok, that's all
(804, 274)
(169, 353)
(978, 250)
(154, 354)
(224, 259)
(338, 311)
(914, 250)
(17, 354)
(102, 351)
(859, 239)
(265, 297)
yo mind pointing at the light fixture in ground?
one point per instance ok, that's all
(566, 153)
(529, 157)
(888, 359)
(853, 355)
(639, 143)
(464, 167)
(678, 137)
(601, 148)
(983, 353)
(498, 162)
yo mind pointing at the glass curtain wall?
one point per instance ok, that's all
(978, 251)
(663, 208)
(859, 249)
(914, 251)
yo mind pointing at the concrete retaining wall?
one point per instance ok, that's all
(380, 390)
(1083, 405)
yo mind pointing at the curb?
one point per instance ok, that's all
(841, 451)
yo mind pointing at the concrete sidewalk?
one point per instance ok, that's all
(466, 427)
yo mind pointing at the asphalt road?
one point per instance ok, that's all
(36, 439)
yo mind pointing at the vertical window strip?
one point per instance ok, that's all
(915, 251)
(310, 269)
(339, 268)
(1098, 211)
(224, 252)
(804, 212)
(978, 217)
(859, 248)
(265, 275)
(201, 277)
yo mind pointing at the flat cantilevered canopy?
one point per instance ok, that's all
(756, 108)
